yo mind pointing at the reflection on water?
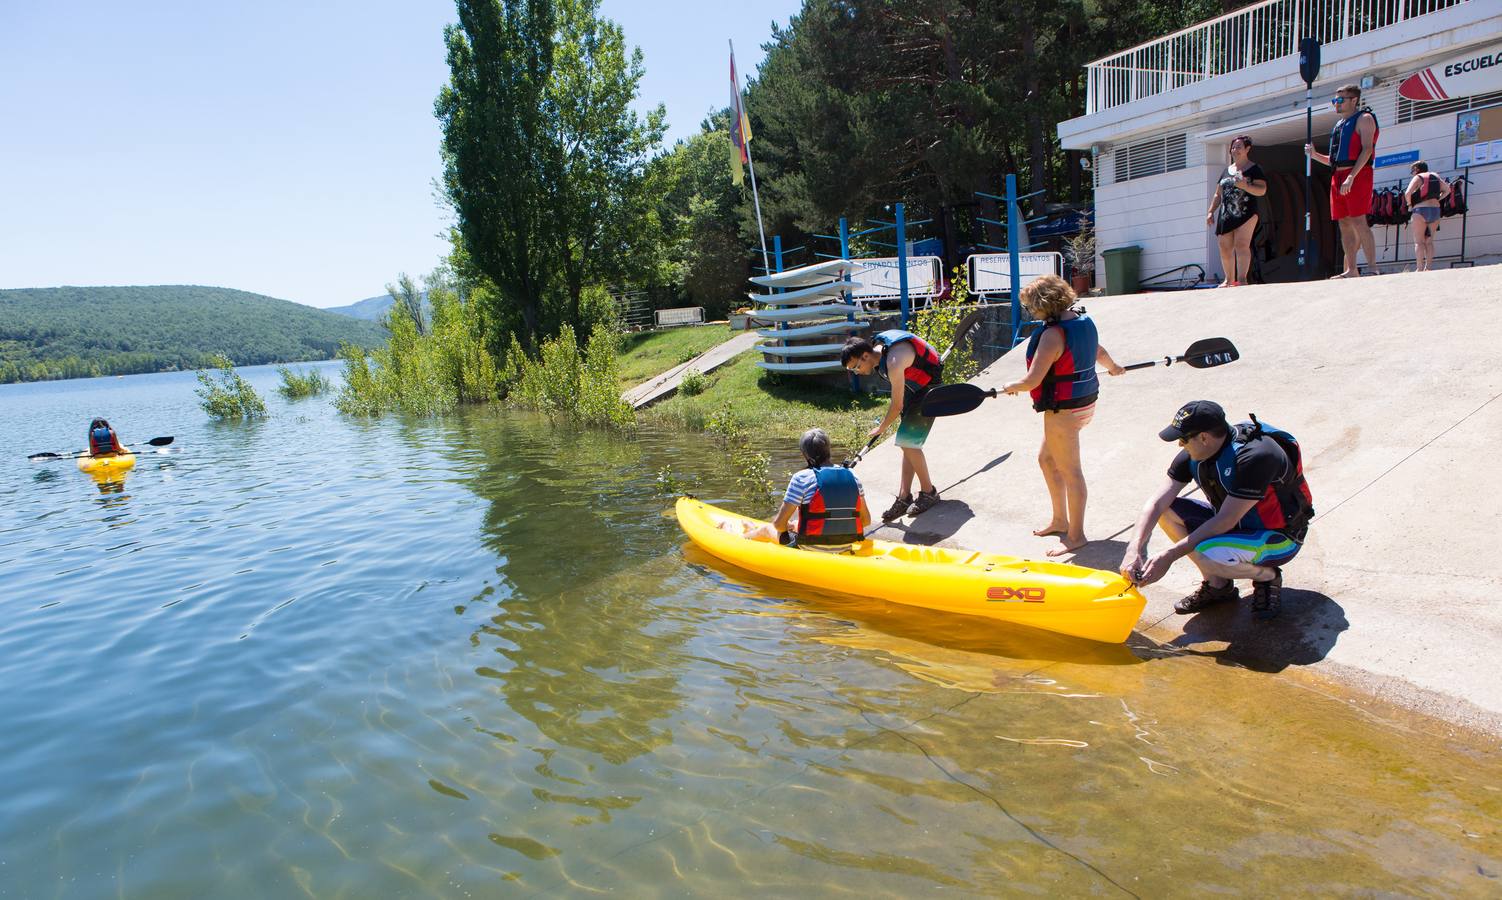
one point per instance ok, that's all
(325, 657)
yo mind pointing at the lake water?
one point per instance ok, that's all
(469, 657)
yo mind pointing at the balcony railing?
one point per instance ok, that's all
(1246, 37)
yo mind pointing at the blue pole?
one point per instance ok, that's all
(777, 260)
(1014, 238)
(902, 264)
(855, 380)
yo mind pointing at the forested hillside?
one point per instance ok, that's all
(79, 332)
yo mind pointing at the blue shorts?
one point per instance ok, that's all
(913, 427)
(1237, 546)
(1429, 214)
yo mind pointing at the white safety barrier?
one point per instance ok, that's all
(683, 315)
(991, 273)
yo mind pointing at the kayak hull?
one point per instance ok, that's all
(107, 466)
(1058, 597)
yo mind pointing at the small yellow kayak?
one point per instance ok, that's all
(107, 466)
(1058, 597)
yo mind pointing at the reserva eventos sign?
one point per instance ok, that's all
(1477, 72)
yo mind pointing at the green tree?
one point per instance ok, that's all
(408, 301)
(501, 155)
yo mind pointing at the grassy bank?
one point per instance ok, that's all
(647, 354)
(772, 407)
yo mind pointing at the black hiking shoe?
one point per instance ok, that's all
(898, 507)
(925, 501)
(1267, 596)
(1206, 596)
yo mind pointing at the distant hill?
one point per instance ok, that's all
(371, 308)
(79, 332)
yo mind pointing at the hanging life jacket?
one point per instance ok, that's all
(926, 370)
(1345, 140)
(833, 514)
(102, 442)
(1286, 505)
(1455, 204)
(1071, 382)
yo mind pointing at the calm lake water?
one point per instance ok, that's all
(469, 657)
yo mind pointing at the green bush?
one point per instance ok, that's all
(693, 383)
(295, 386)
(937, 325)
(753, 468)
(562, 382)
(422, 373)
(231, 397)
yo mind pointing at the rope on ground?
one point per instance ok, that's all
(1405, 459)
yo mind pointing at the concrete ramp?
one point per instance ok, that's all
(655, 389)
(1391, 384)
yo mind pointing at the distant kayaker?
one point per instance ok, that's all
(911, 367)
(824, 507)
(1061, 359)
(102, 439)
(1256, 519)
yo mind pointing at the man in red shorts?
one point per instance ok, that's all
(1353, 143)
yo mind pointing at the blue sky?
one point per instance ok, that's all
(282, 147)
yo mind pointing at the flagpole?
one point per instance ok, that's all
(761, 229)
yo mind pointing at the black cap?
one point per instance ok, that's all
(1194, 417)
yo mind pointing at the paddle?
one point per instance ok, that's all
(954, 399)
(851, 461)
(46, 457)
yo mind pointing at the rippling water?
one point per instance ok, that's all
(472, 657)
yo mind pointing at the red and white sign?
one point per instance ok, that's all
(1477, 72)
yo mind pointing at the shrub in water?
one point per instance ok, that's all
(295, 386)
(562, 382)
(694, 383)
(231, 397)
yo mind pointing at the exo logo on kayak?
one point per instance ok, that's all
(1016, 595)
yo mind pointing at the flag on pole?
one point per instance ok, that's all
(740, 127)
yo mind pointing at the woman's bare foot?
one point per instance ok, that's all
(1051, 528)
(1069, 543)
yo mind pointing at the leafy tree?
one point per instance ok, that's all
(408, 301)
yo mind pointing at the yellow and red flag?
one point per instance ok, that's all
(740, 126)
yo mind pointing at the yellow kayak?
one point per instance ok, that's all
(107, 466)
(1059, 597)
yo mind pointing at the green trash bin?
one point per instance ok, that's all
(1122, 269)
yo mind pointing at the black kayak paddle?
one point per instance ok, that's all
(955, 399)
(45, 457)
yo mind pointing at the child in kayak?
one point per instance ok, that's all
(824, 507)
(102, 439)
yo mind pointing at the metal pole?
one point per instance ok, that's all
(755, 196)
(902, 264)
(1306, 264)
(1014, 237)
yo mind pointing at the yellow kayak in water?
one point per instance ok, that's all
(1058, 597)
(107, 466)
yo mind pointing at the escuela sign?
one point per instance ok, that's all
(1476, 72)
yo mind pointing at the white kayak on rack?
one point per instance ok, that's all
(802, 312)
(800, 350)
(783, 334)
(806, 275)
(807, 295)
(832, 365)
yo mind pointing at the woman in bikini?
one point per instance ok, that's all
(1424, 193)
(1061, 358)
(1233, 211)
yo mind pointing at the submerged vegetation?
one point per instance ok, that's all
(297, 385)
(231, 397)
(565, 383)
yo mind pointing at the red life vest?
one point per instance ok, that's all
(926, 369)
(103, 442)
(834, 513)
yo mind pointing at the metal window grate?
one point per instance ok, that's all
(1169, 153)
(1409, 110)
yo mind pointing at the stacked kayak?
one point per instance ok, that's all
(1058, 597)
(105, 467)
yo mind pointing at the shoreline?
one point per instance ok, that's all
(1395, 591)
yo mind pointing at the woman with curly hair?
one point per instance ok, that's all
(1061, 358)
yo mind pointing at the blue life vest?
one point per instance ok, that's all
(1071, 382)
(926, 370)
(1287, 505)
(1345, 140)
(101, 441)
(832, 514)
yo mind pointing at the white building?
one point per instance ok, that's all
(1159, 117)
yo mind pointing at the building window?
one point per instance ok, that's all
(1165, 154)
(1409, 110)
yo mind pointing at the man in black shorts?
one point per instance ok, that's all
(1254, 522)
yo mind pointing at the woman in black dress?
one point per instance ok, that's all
(1233, 211)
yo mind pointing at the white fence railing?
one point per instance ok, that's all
(1238, 40)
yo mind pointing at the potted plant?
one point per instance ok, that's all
(1082, 255)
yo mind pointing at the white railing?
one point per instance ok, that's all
(1246, 37)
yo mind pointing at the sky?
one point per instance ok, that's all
(283, 147)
